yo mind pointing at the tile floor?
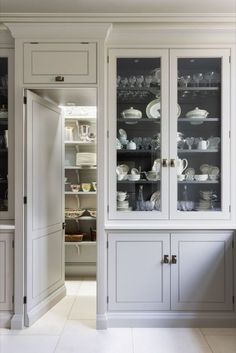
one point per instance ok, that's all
(69, 327)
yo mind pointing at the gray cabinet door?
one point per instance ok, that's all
(6, 271)
(202, 277)
(138, 278)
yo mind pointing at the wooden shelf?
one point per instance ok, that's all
(80, 168)
(197, 151)
(80, 243)
(80, 118)
(80, 193)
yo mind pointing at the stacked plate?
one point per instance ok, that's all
(85, 159)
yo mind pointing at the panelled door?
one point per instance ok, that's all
(44, 209)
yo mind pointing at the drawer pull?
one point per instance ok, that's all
(59, 78)
(174, 259)
(166, 259)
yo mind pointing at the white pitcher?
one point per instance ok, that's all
(181, 165)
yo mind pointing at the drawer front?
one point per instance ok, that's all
(6, 271)
(60, 63)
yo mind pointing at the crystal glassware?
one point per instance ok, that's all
(189, 141)
(197, 78)
(139, 81)
(185, 80)
(132, 81)
(148, 80)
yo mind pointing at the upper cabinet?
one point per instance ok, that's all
(169, 139)
(60, 63)
(6, 132)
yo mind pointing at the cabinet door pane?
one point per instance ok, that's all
(199, 134)
(138, 144)
(3, 134)
(200, 166)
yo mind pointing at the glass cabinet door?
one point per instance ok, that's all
(200, 140)
(139, 113)
(3, 134)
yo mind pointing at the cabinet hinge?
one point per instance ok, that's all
(25, 200)
(107, 59)
(233, 299)
(229, 208)
(107, 244)
(25, 100)
(63, 225)
(12, 299)
(24, 300)
(107, 299)
(13, 244)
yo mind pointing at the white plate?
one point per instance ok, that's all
(155, 196)
(153, 109)
(204, 168)
(214, 171)
(178, 111)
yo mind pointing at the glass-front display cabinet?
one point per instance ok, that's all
(6, 109)
(169, 134)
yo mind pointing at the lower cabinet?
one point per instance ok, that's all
(170, 271)
(6, 272)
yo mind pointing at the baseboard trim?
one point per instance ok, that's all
(45, 305)
(171, 319)
(5, 319)
(101, 322)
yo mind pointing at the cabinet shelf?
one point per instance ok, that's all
(190, 120)
(141, 181)
(79, 143)
(198, 88)
(138, 152)
(79, 168)
(80, 193)
(135, 121)
(80, 242)
(79, 118)
(198, 182)
(197, 151)
(83, 218)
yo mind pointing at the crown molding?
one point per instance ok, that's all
(120, 17)
(60, 31)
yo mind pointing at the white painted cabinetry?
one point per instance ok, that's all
(60, 63)
(6, 272)
(178, 271)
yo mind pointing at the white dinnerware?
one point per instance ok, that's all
(203, 144)
(131, 113)
(181, 165)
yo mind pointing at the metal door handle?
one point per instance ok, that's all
(59, 78)
(172, 163)
(164, 162)
(174, 259)
(166, 259)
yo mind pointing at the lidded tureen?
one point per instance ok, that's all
(197, 113)
(131, 113)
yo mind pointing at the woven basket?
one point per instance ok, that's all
(73, 237)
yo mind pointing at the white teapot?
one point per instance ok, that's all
(181, 165)
(131, 113)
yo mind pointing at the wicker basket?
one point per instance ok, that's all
(73, 237)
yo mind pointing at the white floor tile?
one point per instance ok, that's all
(219, 331)
(87, 288)
(84, 308)
(72, 287)
(28, 344)
(173, 340)
(222, 344)
(81, 336)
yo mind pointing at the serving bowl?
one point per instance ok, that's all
(201, 177)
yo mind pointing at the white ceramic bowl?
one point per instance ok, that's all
(213, 177)
(133, 177)
(201, 177)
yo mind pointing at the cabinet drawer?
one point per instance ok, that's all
(6, 271)
(74, 62)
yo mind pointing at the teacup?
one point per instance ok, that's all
(152, 175)
(86, 187)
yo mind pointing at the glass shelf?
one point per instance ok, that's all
(198, 88)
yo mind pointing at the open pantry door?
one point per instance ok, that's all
(44, 233)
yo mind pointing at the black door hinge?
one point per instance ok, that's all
(63, 225)
(24, 300)
(12, 299)
(25, 100)
(13, 244)
(25, 200)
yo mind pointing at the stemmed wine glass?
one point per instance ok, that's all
(197, 78)
(184, 80)
(189, 141)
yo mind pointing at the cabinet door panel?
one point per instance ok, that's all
(74, 61)
(6, 271)
(202, 277)
(141, 279)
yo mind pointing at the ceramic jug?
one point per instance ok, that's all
(181, 165)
